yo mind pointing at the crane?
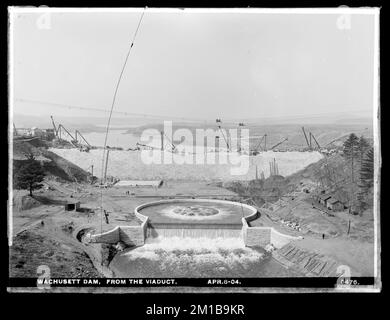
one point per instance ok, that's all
(279, 143)
(60, 126)
(256, 150)
(224, 138)
(78, 133)
(54, 126)
(146, 146)
(318, 145)
(307, 141)
(171, 143)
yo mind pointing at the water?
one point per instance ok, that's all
(165, 213)
(196, 258)
(195, 233)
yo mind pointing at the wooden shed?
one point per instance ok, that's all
(324, 198)
(334, 205)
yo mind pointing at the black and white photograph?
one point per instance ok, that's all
(194, 150)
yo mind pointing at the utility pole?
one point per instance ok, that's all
(105, 169)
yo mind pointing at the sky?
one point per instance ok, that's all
(194, 65)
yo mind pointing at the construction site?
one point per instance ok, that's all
(133, 195)
(299, 194)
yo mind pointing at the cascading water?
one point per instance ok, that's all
(194, 233)
(195, 238)
(195, 258)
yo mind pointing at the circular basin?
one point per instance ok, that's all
(199, 211)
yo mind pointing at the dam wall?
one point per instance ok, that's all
(211, 233)
(251, 236)
(263, 236)
(129, 235)
(128, 165)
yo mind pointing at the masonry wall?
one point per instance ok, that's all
(258, 237)
(262, 236)
(132, 236)
(111, 236)
(255, 236)
(279, 240)
(129, 235)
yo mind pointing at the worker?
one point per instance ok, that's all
(323, 236)
(106, 216)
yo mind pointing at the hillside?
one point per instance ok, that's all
(54, 165)
(333, 174)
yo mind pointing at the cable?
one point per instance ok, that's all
(141, 115)
(109, 118)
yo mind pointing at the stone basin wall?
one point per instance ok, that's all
(129, 235)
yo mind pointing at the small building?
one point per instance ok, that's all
(72, 205)
(324, 198)
(334, 205)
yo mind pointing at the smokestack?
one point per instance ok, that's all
(162, 140)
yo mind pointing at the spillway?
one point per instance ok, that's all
(211, 233)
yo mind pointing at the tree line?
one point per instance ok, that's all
(360, 155)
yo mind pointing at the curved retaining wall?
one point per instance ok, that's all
(194, 230)
(263, 236)
(129, 235)
(237, 204)
(136, 235)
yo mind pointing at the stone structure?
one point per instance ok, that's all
(251, 236)
(129, 235)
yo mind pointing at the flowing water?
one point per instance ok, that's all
(196, 257)
(194, 233)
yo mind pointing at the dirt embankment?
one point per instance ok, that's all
(53, 164)
(22, 201)
(34, 247)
